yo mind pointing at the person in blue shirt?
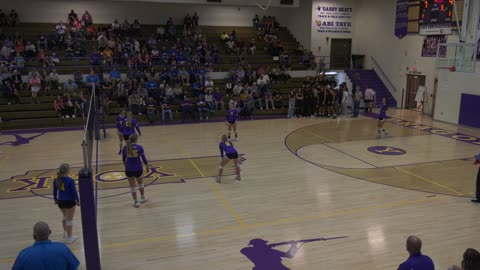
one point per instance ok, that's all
(66, 197)
(129, 126)
(227, 153)
(132, 156)
(45, 254)
(92, 80)
(416, 261)
(115, 75)
(381, 118)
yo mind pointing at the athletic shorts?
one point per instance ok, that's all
(135, 174)
(35, 89)
(66, 204)
(125, 137)
(381, 119)
(232, 156)
(232, 123)
(368, 100)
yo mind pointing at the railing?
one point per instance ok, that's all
(222, 63)
(383, 74)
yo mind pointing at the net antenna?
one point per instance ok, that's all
(264, 8)
(87, 140)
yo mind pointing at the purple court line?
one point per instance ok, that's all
(354, 177)
(429, 129)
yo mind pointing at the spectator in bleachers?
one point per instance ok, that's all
(135, 103)
(3, 19)
(69, 104)
(195, 20)
(78, 78)
(178, 92)
(30, 50)
(416, 260)
(87, 19)
(218, 99)
(35, 84)
(202, 108)
(59, 107)
(11, 93)
(151, 106)
(166, 109)
(277, 100)
(45, 252)
(237, 89)
(72, 16)
(224, 37)
(471, 260)
(186, 106)
(209, 100)
(92, 80)
(53, 80)
(42, 41)
(70, 87)
(13, 18)
(16, 79)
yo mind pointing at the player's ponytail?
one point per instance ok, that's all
(62, 171)
(131, 140)
(129, 119)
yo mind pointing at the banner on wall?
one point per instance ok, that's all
(430, 46)
(436, 17)
(333, 19)
(401, 19)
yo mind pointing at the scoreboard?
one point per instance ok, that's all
(435, 12)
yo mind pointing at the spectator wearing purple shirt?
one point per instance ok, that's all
(218, 99)
(186, 106)
(133, 155)
(417, 260)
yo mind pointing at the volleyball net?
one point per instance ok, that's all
(86, 183)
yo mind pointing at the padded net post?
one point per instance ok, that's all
(89, 219)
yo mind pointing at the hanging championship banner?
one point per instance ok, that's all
(436, 17)
(401, 19)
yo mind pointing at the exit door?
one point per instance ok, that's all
(413, 82)
(340, 53)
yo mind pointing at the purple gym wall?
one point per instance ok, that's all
(469, 115)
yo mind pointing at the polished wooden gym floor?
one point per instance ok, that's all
(302, 179)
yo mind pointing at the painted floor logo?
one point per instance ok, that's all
(386, 150)
(110, 176)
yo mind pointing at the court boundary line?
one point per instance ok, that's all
(430, 181)
(356, 177)
(215, 190)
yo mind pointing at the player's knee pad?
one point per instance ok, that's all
(133, 189)
(69, 223)
(141, 185)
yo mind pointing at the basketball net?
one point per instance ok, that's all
(264, 8)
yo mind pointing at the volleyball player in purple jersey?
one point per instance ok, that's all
(228, 152)
(129, 126)
(133, 155)
(381, 118)
(231, 121)
(120, 118)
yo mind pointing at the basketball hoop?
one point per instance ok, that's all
(264, 8)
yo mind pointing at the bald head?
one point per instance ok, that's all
(41, 231)
(414, 244)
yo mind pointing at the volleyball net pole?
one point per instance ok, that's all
(86, 187)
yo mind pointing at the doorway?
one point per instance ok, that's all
(340, 53)
(413, 82)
